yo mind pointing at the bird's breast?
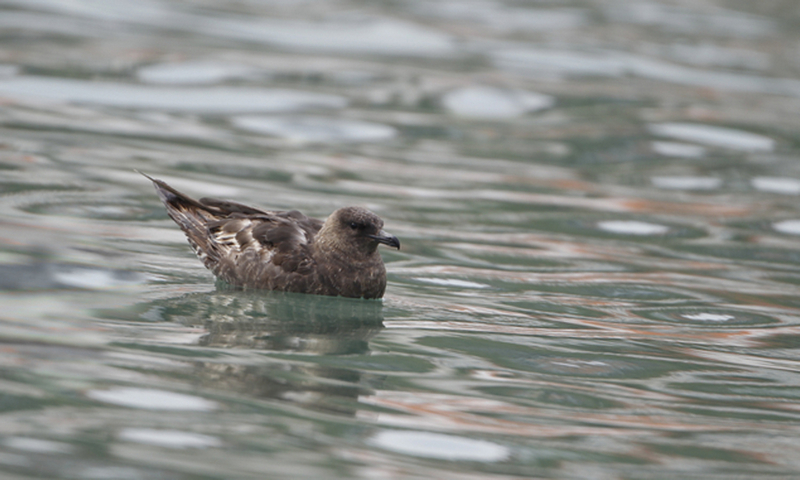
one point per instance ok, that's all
(355, 280)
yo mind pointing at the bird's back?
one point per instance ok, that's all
(246, 246)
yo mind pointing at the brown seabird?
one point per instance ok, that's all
(286, 251)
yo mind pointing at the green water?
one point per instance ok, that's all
(597, 202)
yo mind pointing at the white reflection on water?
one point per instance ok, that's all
(195, 99)
(168, 438)
(370, 36)
(714, 136)
(109, 473)
(505, 17)
(37, 445)
(490, 102)
(316, 129)
(52, 23)
(708, 317)
(675, 149)
(189, 73)
(8, 70)
(686, 182)
(152, 399)
(451, 282)
(688, 18)
(437, 445)
(544, 62)
(710, 54)
(632, 227)
(363, 35)
(118, 10)
(791, 227)
(787, 186)
(93, 278)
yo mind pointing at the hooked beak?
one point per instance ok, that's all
(386, 239)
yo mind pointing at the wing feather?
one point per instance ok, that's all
(244, 245)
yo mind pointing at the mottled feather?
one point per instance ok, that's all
(286, 251)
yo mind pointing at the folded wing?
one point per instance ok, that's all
(243, 245)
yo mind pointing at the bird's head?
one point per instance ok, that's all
(355, 229)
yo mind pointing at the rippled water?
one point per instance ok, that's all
(597, 201)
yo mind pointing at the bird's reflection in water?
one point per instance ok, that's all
(316, 327)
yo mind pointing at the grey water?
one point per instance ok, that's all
(598, 202)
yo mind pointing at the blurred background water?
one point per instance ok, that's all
(597, 199)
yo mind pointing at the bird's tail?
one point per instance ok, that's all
(192, 216)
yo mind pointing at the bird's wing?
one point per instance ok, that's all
(268, 246)
(227, 207)
(242, 244)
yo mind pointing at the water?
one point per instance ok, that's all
(597, 201)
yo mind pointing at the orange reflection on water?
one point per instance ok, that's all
(602, 329)
(451, 413)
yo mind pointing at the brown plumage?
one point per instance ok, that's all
(284, 251)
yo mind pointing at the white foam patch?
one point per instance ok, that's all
(490, 102)
(676, 149)
(193, 73)
(791, 227)
(152, 399)
(714, 136)
(632, 227)
(451, 282)
(215, 99)
(787, 186)
(168, 438)
(37, 445)
(437, 445)
(686, 183)
(309, 129)
(708, 317)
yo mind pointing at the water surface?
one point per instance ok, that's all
(597, 201)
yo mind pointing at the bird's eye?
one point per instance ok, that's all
(354, 225)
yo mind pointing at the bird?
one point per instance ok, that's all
(286, 251)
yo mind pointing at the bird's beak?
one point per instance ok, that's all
(386, 239)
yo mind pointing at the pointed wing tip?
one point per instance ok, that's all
(144, 175)
(159, 184)
(164, 191)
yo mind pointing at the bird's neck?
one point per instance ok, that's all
(336, 253)
(329, 247)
